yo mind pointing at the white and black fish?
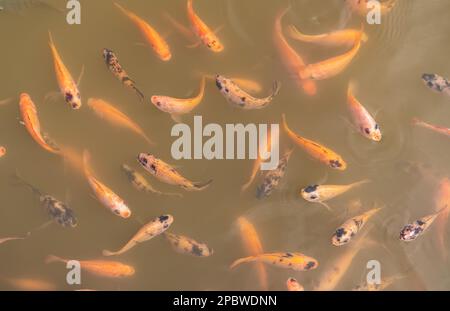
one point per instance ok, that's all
(235, 95)
(436, 83)
(412, 231)
(273, 177)
(114, 66)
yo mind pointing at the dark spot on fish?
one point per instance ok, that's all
(153, 167)
(227, 90)
(243, 99)
(68, 96)
(340, 232)
(377, 126)
(218, 84)
(313, 197)
(311, 188)
(310, 265)
(288, 255)
(367, 130)
(197, 251)
(420, 223)
(163, 218)
(125, 79)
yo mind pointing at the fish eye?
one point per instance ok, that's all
(68, 96)
(367, 130)
(117, 212)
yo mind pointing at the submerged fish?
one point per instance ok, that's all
(290, 58)
(4, 240)
(412, 231)
(362, 120)
(29, 284)
(373, 287)
(294, 261)
(253, 246)
(30, 119)
(185, 245)
(351, 227)
(235, 95)
(2, 151)
(273, 177)
(344, 37)
(140, 183)
(107, 111)
(103, 268)
(152, 229)
(294, 286)
(58, 211)
(316, 150)
(179, 106)
(156, 41)
(442, 198)
(436, 83)
(67, 85)
(114, 66)
(202, 31)
(438, 129)
(104, 194)
(322, 193)
(167, 174)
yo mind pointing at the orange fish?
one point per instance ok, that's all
(2, 151)
(30, 119)
(290, 59)
(438, 129)
(104, 194)
(294, 261)
(253, 246)
(28, 284)
(344, 37)
(202, 31)
(103, 268)
(333, 66)
(316, 150)
(107, 111)
(67, 85)
(156, 41)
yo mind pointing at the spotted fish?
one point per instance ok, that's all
(294, 261)
(436, 83)
(273, 177)
(412, 231)
(147, 232)
(114, 66)
(185, 245)
(294, 286)
(237, 96)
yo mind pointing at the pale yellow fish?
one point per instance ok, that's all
(294, 261)
(294, 286)
(185, 245)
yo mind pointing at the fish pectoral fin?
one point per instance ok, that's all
(5, 101)
(219, 29)
(326, 205)
(350, 124)
(176, 117)
(52, 96)
(194, 45)
(81, 75)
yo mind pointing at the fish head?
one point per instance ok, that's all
(165, 220)
(121, 209)
(373, 133)
(341, 237)
(73, 99)
(221, 82)
(214, 44)
(435, 82)
(311, 193)
(159, 101)
(410, 232)
(148, 161)
(338, 164)
(107, 54)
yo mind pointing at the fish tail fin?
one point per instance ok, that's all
(53, 258)
(361, 182)
(276, 88)
(202, 185)
(202, 87)
(442, 209)
(139, 93)
(107, 253)
(50, 38)
(294, 33)
(241, 261)
(415, 121)
(284, 123)
(121, 8)
(86, 159)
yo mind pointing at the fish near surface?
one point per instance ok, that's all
(412, 231)
(292, 61)
(105, 110)
(103, 268)
(167, 174)
(104, 194)
(316, 150)
(2, 151)
(374, 287)
(437, 83)
(28, 113)
(29, 284)
(237, 96)
(202, 31)
(351, 227)
(140, 183)
(185, 245)
(294, 261)
(152, 229)
(67, 85)
(361, 118)
(58, 211)
(273, 177)
(114, 66)
(294, 286)
(156, 41)
(437, 129)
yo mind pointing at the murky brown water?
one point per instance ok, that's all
(412, 39)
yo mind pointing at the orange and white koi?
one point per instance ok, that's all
(351, 227)
(104, 194)
(249, 85)
(179, 106)
(253, 246)
(202, 31)
(152, 229)
(67, 85)
(294, 286)
(156, 41)
(2, 151)
(322, 193)
(103, 268)
(412, 231)
(438, 129)
(344, 37)
(110, 113)
(237, 96)
(294, 261)
(185, 245)
(362, 119)
(316, 150)
(290, 58)
(167, 174)
(30, 119)
(333, 66)
(436, 83)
